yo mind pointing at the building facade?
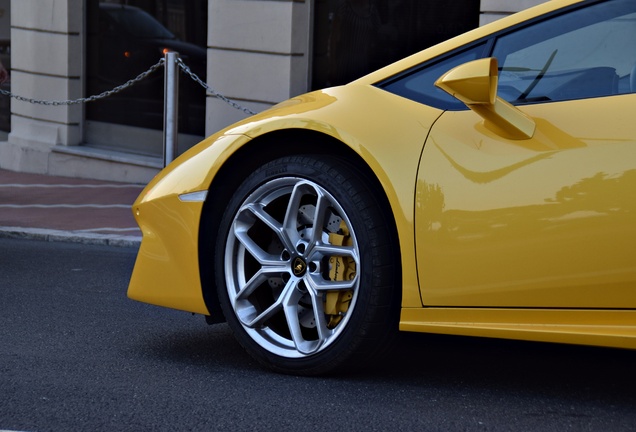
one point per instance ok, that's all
(255, 52)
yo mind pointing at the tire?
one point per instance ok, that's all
(303, 300)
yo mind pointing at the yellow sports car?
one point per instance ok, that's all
(485, 186)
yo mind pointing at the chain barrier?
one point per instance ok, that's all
(209, 89)
(102, 95)
(127, 84)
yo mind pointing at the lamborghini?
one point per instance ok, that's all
(485, 186)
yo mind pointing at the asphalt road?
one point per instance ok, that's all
(76, 354)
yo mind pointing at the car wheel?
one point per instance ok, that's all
(306, 266)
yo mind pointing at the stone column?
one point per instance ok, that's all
(47, 64)
(258, 55)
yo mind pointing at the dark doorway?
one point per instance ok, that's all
(355, 37)
(125, 38)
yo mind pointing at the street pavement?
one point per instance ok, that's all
(68, 209)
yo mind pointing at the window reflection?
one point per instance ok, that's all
(579, 55)
(125, 38)
(355, 37)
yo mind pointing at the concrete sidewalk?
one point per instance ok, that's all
(68, 209)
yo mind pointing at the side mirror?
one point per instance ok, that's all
(475, 84)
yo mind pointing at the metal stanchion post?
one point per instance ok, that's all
(170, 107)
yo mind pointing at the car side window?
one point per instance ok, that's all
(584, 54)
(418, 86)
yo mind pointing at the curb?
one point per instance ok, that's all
(69, 236)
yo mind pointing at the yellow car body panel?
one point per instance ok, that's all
(393, 158)
(167, 270)
(584, 327)
(546, 222)
(469, 243)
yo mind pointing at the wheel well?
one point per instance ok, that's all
(247, 159)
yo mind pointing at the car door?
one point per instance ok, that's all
(547, 221)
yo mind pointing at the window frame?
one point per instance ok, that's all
(489, 42)
(562, 91)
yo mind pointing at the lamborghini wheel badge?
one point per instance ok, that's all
(299, 267)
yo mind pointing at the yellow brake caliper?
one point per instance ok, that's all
(340, 269)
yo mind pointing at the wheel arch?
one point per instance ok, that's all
(245, 160)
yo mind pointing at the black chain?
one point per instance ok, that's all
(192, 75)
(124, 86)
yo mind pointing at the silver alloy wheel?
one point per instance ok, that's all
(291, 267)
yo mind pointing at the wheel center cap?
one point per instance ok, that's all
(299, 267)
